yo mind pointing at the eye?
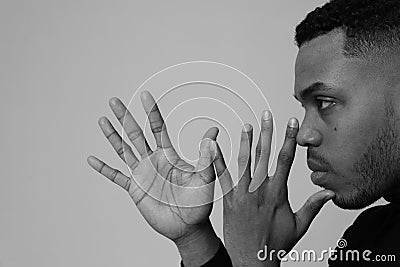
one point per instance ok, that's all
(324, 104)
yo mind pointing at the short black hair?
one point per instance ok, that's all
(368, 25)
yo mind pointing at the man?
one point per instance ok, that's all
(348, 81)
(347, 77)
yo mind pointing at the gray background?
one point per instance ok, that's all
(60, 63)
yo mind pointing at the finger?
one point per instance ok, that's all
(123, 150)
(263, 151)
(224, 177)
(244, 157)
(113, 175)
(207, 155)
(211, 133)
(286, 155)
(204, 165)
(310, 209)
(157, 124)
(132, 129)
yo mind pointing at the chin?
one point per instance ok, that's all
(353, 201)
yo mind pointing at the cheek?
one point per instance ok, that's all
(349, 139)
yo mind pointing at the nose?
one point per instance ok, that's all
(308, 135)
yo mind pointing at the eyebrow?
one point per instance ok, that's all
(315, 87)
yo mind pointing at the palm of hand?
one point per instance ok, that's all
(173, 196)
(168, 189)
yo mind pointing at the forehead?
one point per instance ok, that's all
(320, 60)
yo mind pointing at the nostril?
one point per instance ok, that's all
(308, 137)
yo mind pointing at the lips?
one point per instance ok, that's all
(314, 166)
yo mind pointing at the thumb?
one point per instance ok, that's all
(211, 133)
(207, 152)
(306, 214)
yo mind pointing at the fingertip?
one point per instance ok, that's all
(211, 133)
(113, 101)
(145, 94)
(266, 115)
(247, 128)
(293, 123)
(329, 195)
(91, 160)
(102, 121)
(292, 130)
(216, 129)
(322, 197)
(215, 132)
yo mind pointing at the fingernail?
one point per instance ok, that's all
(247, 128)
(145, 94)
(293, 123)
(102, 121)
(90, 159)
(114, 101)
(266, 116)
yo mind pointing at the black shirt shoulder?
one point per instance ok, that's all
(377, 230)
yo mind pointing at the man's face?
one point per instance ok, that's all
(350, 126)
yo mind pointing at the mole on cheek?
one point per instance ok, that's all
(335, 129)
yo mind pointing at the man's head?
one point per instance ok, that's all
(348, 80)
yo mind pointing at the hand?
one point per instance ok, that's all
(264, 216)
(173, 196)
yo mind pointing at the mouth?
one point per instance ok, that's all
(315, 167)
(317, 178)
(319, 171)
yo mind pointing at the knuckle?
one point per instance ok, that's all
(285, 158)
(291, 133)
(112, 137)
(127, 185)
(134, 135)
(156, 129)
(154, 108)
(120, 150)
(121, 116)
(133, 165)
(266, 127)
(243, 159)
(258, 150)
(102, 168)
(312, 204)
(113, 175)
(261, 151)
(157, 126)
